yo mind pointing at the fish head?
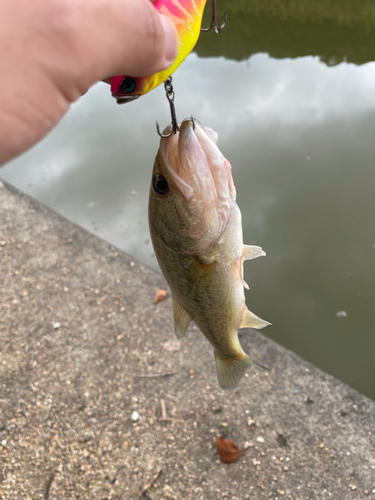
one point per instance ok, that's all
(191, 190)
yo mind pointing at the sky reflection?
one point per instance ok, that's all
(300, 138)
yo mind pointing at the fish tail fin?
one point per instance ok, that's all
(230, 371)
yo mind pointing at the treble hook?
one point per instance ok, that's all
(218, 27)
(170, 96)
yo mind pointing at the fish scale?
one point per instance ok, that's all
(197, 238)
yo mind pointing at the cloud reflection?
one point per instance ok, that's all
(101, 151)
(299, 136)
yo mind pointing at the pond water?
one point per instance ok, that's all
(291, 93)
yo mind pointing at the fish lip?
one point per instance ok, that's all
(182, 187)
(195, 165)
(193, 122)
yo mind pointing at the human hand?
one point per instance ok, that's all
(52, 51)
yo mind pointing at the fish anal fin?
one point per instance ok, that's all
(252, 252)
(230, 371)
(182, 318)
(250, 320)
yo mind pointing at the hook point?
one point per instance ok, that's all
(170, 96)
(163, 136)
(214, 23)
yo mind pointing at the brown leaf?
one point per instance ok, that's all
(160, 295)
(228, 450)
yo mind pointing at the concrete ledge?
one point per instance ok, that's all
(78, 325)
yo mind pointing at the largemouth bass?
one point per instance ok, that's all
(187, 17)
(196, 232)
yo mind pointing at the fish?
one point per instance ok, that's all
(187, 17)
(196, 231)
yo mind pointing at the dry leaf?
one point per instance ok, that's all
(228, 450)
(160, 295)
(172, 345)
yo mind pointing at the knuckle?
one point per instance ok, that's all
(154, 34)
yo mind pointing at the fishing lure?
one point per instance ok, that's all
(187, 17)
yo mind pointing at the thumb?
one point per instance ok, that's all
(121, 37)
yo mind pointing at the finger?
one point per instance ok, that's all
(121, 37)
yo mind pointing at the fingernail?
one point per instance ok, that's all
(171, 39)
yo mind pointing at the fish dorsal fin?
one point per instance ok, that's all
(252, 252)
(249, 252)
(250, 320)
(182, 318)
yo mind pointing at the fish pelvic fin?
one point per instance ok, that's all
(182, 318)
(230, 371)
(250, 320)
(249, 252)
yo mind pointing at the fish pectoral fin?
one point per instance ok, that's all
(230, 371)
(252, 252)
(250, 320)
(182, 318)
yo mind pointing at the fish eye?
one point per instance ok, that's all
(160, 184)
(128, 85)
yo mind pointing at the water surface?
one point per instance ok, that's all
(294, 105)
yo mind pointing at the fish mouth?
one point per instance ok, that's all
(194, 162)
(202, 179)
